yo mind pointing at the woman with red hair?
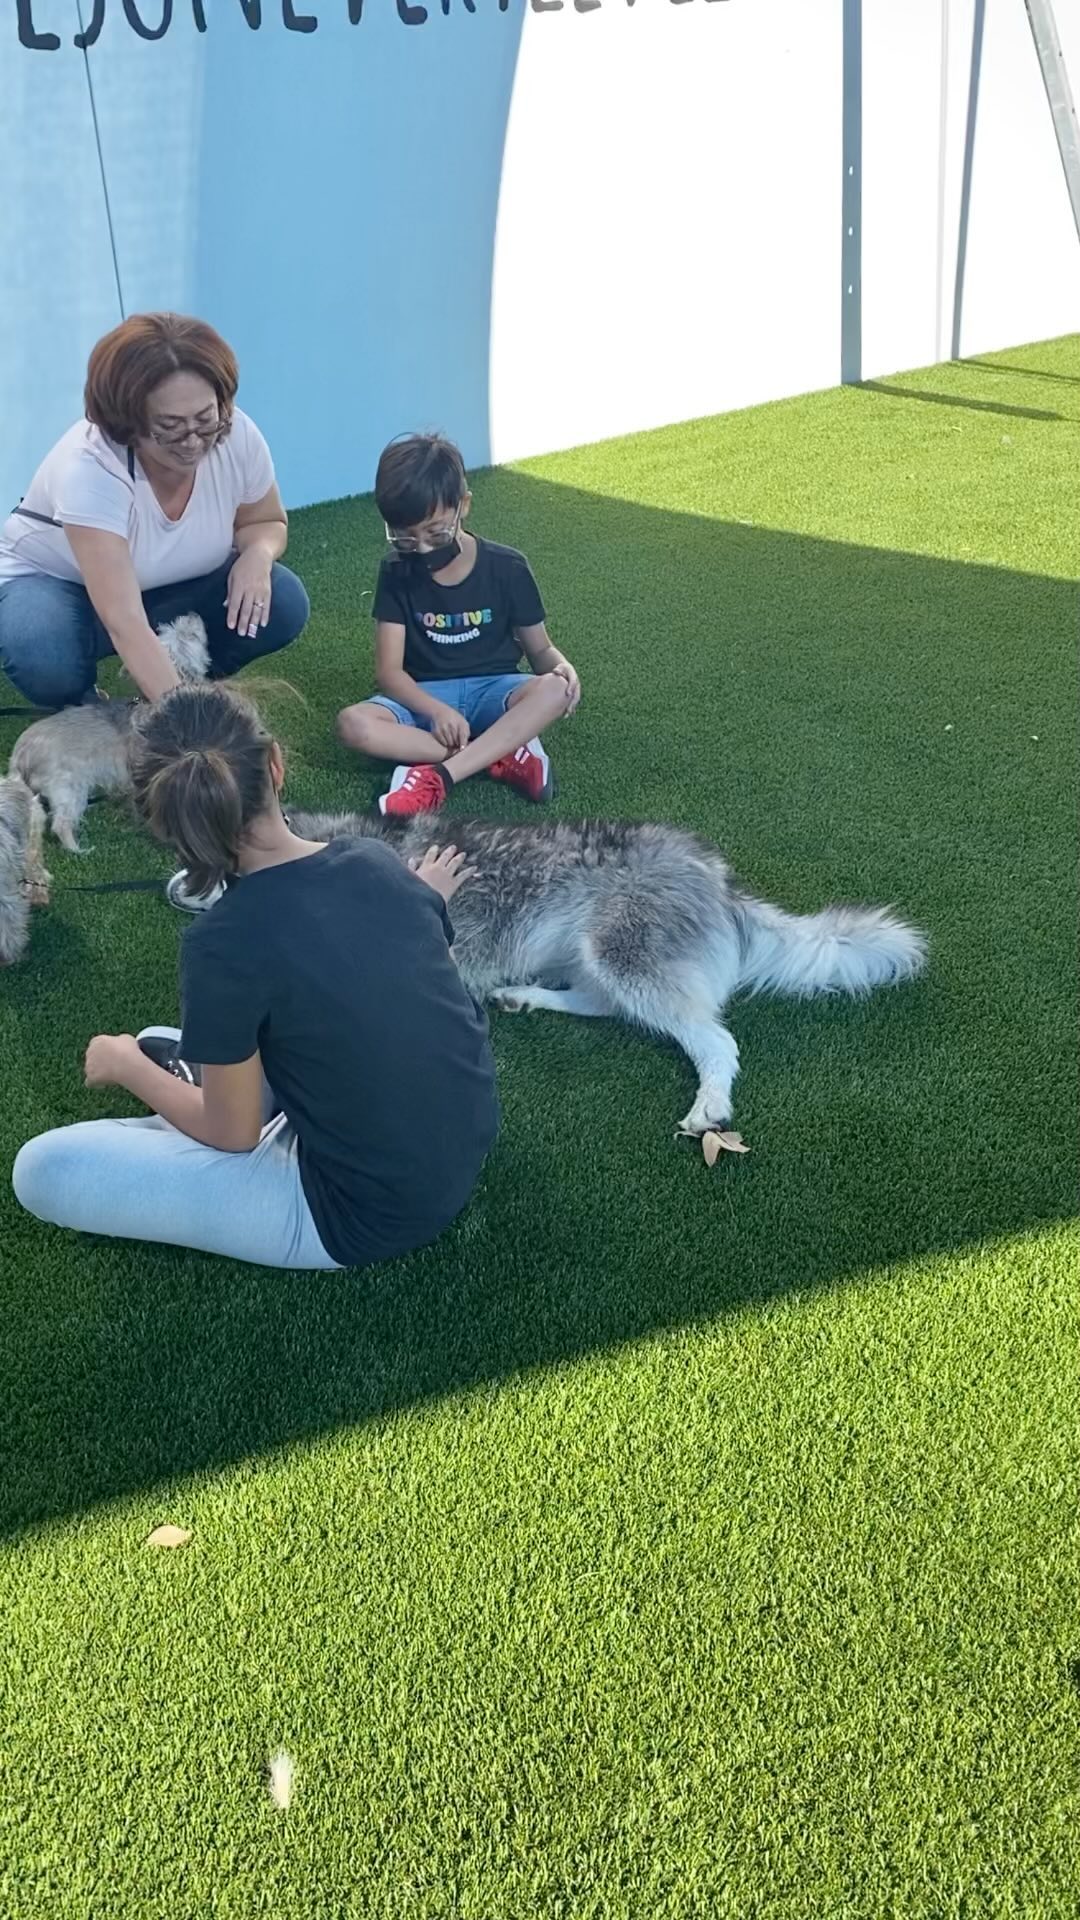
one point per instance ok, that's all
(162, 501)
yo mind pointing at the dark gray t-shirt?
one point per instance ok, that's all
(337, 969)
(463, 632)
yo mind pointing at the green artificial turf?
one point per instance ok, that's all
(665, 1544)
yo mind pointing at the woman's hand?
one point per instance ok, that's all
(451, 729)
(248, 599)
(443, 869)
(109, 1059)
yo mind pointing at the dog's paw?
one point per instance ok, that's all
(510, 1003)
(701, 1120)
(37, 892)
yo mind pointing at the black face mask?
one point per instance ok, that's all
(439, 558)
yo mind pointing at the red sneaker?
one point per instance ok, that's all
(413, 790)
(528, 771)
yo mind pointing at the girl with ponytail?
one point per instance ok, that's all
(330, 1098)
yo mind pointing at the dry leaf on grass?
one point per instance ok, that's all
(280, 1782)
(714, 1143)
(169, 1537)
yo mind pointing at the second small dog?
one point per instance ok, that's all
(84, 750)
(24, 882)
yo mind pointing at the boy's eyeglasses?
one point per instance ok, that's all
(437, 537)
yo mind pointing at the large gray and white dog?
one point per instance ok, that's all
(636, 922)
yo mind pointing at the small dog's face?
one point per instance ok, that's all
(184, 640)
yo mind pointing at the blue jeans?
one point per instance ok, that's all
(51, 639)
(483, 698)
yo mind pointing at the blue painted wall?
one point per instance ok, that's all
(326, 199)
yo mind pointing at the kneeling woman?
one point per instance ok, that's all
(321, 990)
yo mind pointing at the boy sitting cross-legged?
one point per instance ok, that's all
(453, 615)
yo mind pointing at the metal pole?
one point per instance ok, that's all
(851, 199)
(1047, 40)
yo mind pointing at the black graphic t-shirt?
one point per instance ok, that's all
(462, 632)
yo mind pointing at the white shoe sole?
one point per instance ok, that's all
(397, 780)
(177, 895)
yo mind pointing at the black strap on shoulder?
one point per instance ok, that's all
(45, 519)
(27, 513)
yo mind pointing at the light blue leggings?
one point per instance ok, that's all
(144, 1180)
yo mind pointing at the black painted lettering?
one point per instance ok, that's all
(586, 6)
(546, 6)
(135, 20)
(252, 12)
(297, 22)
(470, 6)
(88, 36)
(356, 12)
(28, 33)
(412, 16)
(198, 14)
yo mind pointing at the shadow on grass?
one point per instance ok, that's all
(958, 400)
(1027, 373)
(848, 723)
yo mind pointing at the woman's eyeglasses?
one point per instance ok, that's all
(176, 436)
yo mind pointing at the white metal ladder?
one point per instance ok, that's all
(1047, 40)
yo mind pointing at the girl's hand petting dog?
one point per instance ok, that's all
(110, 1058)
(444, 870)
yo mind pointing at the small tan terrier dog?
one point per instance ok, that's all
(81, 751)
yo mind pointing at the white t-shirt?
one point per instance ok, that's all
(86, 481)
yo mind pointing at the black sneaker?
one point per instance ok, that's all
(161, 1045)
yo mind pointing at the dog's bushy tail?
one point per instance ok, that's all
(839, 950)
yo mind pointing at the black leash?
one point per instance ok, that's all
(113, 886)
(24, 713)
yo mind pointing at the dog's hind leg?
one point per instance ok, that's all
(716, 1056)
(552, 1000)
(65, 820)
(680, 1002)
(38, 879)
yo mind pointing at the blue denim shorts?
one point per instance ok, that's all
(483, 699)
